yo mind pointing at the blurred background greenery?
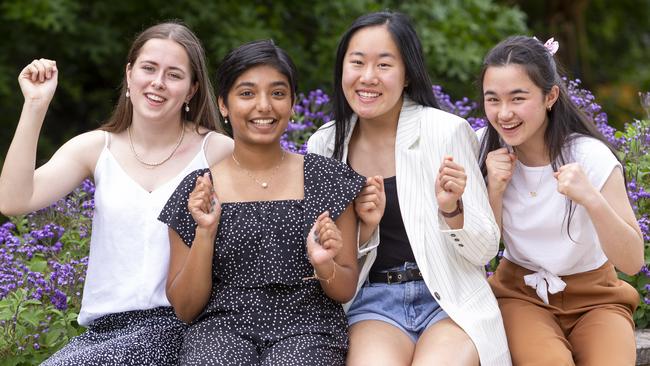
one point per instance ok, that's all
(606, 44)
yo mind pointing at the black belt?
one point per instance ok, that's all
(408, 275)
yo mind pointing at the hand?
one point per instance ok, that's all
(573, 183)
(38, 80)
(204, 205)
(371, 201)
(324, 240)
(450, 184)
(500, 166)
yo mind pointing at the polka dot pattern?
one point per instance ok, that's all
(141, 337)
(260, 310)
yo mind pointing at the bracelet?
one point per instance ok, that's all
(454, 213)
(317, 277)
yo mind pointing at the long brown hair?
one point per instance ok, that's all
(203, 106)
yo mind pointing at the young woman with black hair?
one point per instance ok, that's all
(423, 298)
(558, 192)
(263, 244)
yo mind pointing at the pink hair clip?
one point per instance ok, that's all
(551, 45)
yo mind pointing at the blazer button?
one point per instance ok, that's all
(437, 295)
(456, 239)
(453, 235)
(460, 245)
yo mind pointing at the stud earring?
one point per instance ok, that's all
(549, 108)
(128, 94)
(187, 106)
(225, 120)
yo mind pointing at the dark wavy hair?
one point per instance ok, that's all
(406, 39)
(565, 120)
(249, 55)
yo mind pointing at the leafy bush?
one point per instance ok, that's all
(44, 254)
(43, 260)
(634, 143)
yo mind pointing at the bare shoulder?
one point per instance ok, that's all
(217, 147)
(84, 148)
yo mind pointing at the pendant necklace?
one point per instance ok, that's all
(263, 184)
(532, 192)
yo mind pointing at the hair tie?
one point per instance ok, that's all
(551, 45)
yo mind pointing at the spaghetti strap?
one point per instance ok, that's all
(205, 140)
(204, 144)
(107, 139)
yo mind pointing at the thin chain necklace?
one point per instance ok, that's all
(532, 193)
(153, 165)
(263, 184)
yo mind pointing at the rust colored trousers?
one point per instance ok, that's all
(588, 324)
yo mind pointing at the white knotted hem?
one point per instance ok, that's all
(544, 283)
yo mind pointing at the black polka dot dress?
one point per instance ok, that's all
(150, 337)
(261, 311)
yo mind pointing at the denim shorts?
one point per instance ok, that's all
(409, 305)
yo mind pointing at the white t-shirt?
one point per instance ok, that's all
(535, 225)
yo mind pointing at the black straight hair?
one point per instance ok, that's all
(247, 56)
(419, 86)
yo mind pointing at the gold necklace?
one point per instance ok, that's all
(153, 165)
(532, 193)
(263, 184)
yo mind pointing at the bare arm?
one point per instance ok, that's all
(611, 214)
(218, 148)
(24, 188)
(335, 258)
(189, 280)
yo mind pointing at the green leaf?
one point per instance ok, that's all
(52, 337)
(37, 264)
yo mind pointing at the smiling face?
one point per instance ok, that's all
(160, 80)
(374, 77)
(515, 106)
(258, 105)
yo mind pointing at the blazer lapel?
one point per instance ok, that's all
(408, 167)
(408, 126)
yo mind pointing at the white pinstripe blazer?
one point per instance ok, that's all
(451, 261)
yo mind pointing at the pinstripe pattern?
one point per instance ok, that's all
(451, 261)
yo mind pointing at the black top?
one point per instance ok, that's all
(394, 248)
(263, 242)
(260, 258)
